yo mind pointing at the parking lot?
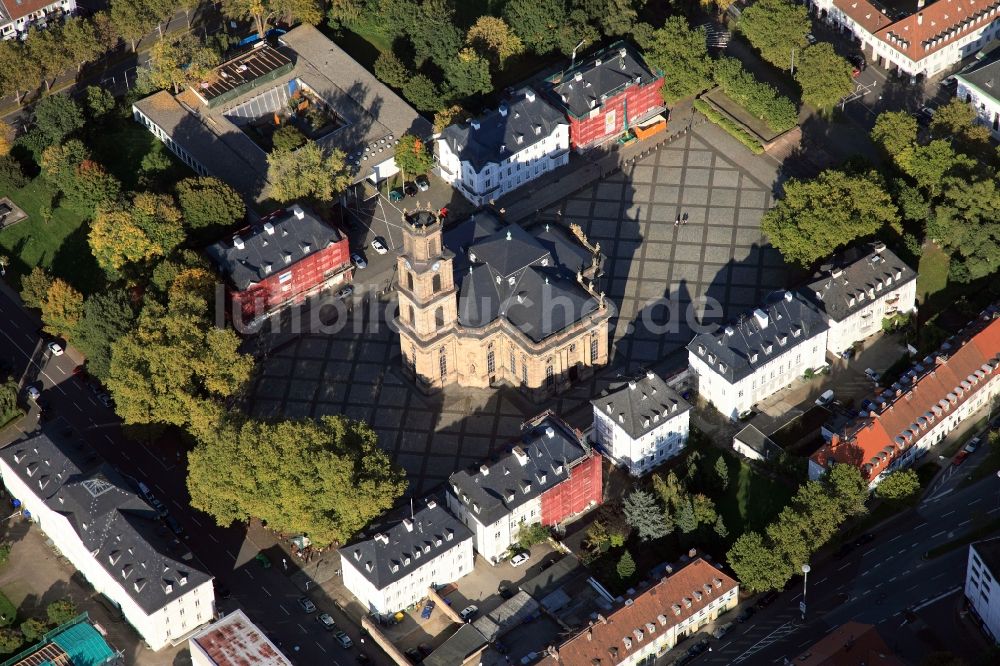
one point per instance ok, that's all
(658, 276)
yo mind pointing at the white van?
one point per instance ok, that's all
(825, 398)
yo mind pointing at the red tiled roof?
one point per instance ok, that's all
(649, 615)
(929, 29)
(873, 443)
(16, 9)
(849, 645)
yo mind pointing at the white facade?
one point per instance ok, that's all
(867, 321)
(492, 541)
(985, 102)
(17, 28)
(654, 448)
(770, 374)
(981, 588)
(876, 48)
(447, 567)
(169, 623)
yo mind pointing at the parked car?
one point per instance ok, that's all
(925, 115)
(422, 183)
(506, 592)
(33, 392)
(844, 550)
(872, 375)
(358, 260)
(55, 348)
(767, 599)
(263, 559)
(960, 458)
(519, 559)
(413, 655)
(867, 537)
(745, 614)
(859, 61)
(811, 38)
(427, 610)
(379, 245)
(174, 526)
(105, 399)
(825, 398)
(344, 640)
(307, 604)
(469, 612)
(326, 621)
(410, 190)
(345, 292)
(972, 445)
(722, 630)
(160, 508)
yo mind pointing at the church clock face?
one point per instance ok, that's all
(436, 266)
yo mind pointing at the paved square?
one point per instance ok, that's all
(657, 275)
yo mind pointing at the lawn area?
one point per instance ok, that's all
(751, 500)
(932, 273)
(123, 146)
(8, 611)
(60, 245)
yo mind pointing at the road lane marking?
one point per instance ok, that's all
(937, 598)
(231, 553)
(196, 521)
(320, 646)
(60, 369)
(945, 515)
(899, 536)
(212, 537)
(938, 534)
(177, 504)
(108, 437)
(157, 486)
(939, 575)
(78, 407)
(31, 362)
(824, 580)
(301, 627)
(284, 609)
(247, 572)
(913, 587)
(266, 591)
(844, 567)
(904, 550)
(978, 499)
(962, 524)
(867, 552)
(125, 456)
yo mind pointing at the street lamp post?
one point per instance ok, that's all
(805, 581)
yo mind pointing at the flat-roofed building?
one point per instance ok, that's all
(233, 640)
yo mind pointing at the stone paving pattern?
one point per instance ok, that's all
(719, 253)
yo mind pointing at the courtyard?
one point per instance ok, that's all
(664, 279)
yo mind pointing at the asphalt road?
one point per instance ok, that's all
(886, 582)
(267, 596)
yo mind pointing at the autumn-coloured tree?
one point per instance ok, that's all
(128, 236)
(492, 37)
(413, 156)
(62, 308)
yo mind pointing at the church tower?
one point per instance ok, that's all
(428, 303)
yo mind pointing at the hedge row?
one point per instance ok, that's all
(725, 123)
(760, 99)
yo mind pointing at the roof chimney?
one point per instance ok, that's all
(298, 212)
(485, 470)
(761, 317)
(920, 17)
(475, 123)
(529, 95)
(502, 109)
(269, 228)
(238, 243)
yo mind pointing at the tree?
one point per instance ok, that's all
(682, 53)
(954, 118)
(35, 287)
(10, 640)
(58, 116)
(776, 28)
(422, 93)
(824, 76)
(537, 22)
(18, 70)
(62, 308)
(9, 409)
(687, 522)
(208, 202)
(899, 485)
(412, 156)
(79, 39)
(179, 62)
(263, 12)
(625, 567)
(6, 134)
(106, 36)
(492, 38)
(722, 472)
(47, 49)
(598, 539)
(818, 216)
(327, 478)
(434, 34)
(671, 491)
(645, 515)
(965, 224)
(468, 74)
(173, 360)
(450, 116)
(98, 102)
(720, 527)
(309, 172)
(895, 131)
(129, 237)
(5, 547)
(929, 164)
(11, 175)
(760, 99)
(34, 628)
(848, 489)
(789, 540)
(61, 611)
(530, 534)
(391, 70)
(166, 272)
(132, 19)
(614, 17)
(106, 317)
(756, 564)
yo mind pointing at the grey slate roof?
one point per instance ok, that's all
(507, 271)
(640, 405)
(607, 73)
(289, 237)
(757, 441)
(984, 75)
(396, 551)
(989, 552)
(784, 323)
(107, 515)
(852, 274)
(457, 648)
(510, 614)
(539, 461)
(370, 110)
(518, 123)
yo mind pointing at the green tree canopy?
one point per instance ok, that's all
(468, 74)
(848, 489)
(537, 22)
(133, 19)
(895, 131)
(98, 102)
(928, 164)
(326, 478)
(35, 287)
(177, 62)
(208, 202)
(434, 33)
(899, 485)
(817, 216)
(106, 317)
(824, 76)
(614, 17)
(965, 223)
(528, 534)
(682, 52)
(172, 361)
(34, 628)
(129, 237)
(492, 38)
(645, 515)
(57, 116)
(722, 472)
(422, 93)
(775, 28)
(288, 137)
(61, 611)
(83, 182)
(625, 567)
(264, 12)
(11, 640)
(391, 70)
(18, 71)
(413, 156)
(757, 565)
(308, 173)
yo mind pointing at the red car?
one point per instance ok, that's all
(960, 458)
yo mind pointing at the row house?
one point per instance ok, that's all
(394, 568)
(906, 419)
(607, 94)
(549, 476)
(281, 259)
(642, 423)
(17, 16)
(760, 354)
(859, 289)
(923, 42)
(654, 621)
(979, 87)
(497, 152)
(109, 534)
